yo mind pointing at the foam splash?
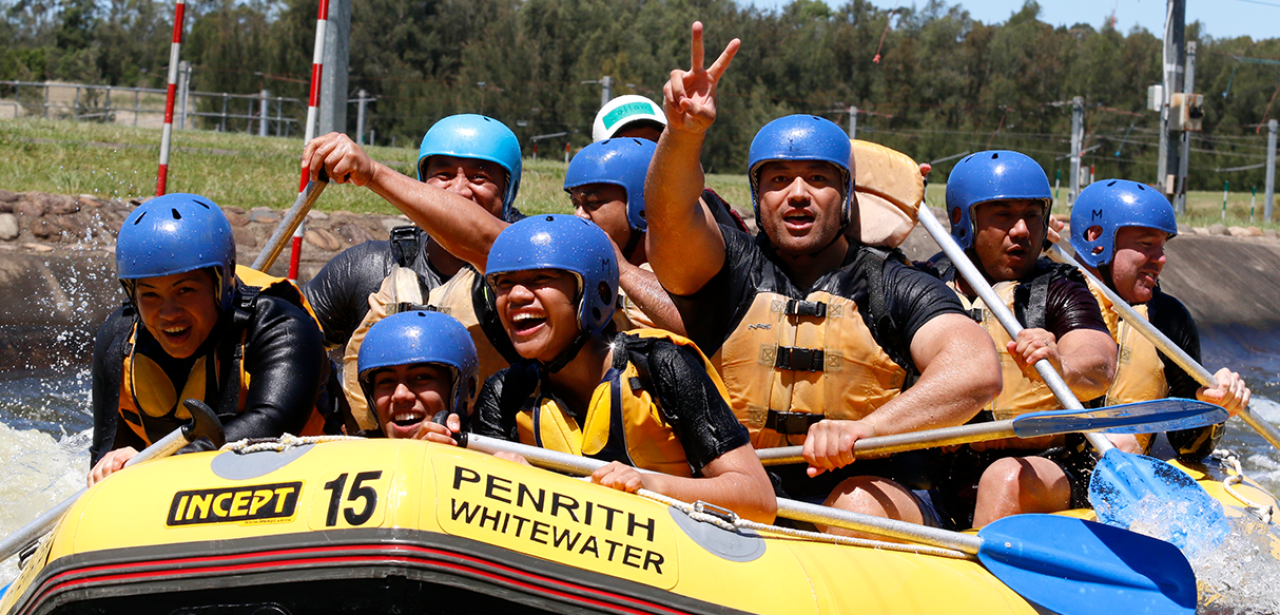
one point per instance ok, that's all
(40, 471)
(1241, 575)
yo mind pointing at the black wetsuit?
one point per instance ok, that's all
(910, 298)
(1171, 318)
(689, 403)
(283, 351)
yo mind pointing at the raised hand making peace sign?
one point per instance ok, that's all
(689, 98)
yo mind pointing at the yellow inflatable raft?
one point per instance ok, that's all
(405, 526)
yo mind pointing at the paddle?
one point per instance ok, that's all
(1140, 417)
(1166, 346)
(204, 424)
(1123, 485)
(1069, 566)
(292, 218)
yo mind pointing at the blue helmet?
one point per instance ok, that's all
(1111, 204)
(568, 243)
(176, 233)
(476, 136)
(621, 162)
(998, 175)
(801, 137)
(410, 338)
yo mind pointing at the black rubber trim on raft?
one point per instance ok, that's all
(407, 565)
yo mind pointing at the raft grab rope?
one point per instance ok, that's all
(1229, 458)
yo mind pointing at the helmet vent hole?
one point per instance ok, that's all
(550, 219)
(1141, 187)
(637, 141)
(1111, 183)
(606, 295)
(595, 313)
(176, 215)
(140, 217)
(202, 203)
(994, 156)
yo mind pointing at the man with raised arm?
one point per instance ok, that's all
(820, 340)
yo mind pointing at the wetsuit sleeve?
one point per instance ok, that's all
(710, 314)
(339, 293)
(915, 297)
(1071, 306)
(722, 212)
(693, 406)
(284, 356)
(108, 356)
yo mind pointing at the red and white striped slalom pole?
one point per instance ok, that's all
(162, 174)
(313, 111)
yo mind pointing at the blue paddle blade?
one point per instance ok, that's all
(1172, 414)
(1152, 497)
(1076, 567)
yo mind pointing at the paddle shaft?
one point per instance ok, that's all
(1002, 313)
(13, 543)
(292, 218)
(1166, 346)
(790, 509)
(898, 443)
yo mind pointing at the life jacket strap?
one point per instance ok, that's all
(796, 307)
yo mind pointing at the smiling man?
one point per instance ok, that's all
(998, 203)
(1118, 230)
(821, 341)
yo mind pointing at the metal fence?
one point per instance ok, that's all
(261, 113)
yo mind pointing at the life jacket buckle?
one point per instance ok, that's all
(816, 309)
(801, 359)
(791, 423)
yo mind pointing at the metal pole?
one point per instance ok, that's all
(1174, 32)
(166, 136)
(1057, 184)
(263, 112)
(279, 104)
(606, 90)
(1226, 186)
(853, 122)
(222, 126)
(184, 93)
(75, 106)
(1077, 141)
(107, 109)
(137, 97)
(360, 103)
(333, 84)
(1184, 157)
(1270, 196)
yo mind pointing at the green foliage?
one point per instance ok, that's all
(944, 83)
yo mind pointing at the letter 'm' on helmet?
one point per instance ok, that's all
(621, 162)
(176, 233)
(411, 338)
(801, 137)
(568, 243)
(1111, 204)
(998, 175)
(479, 137)
(622, 112)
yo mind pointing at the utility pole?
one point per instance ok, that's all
(362, 99)
(1077, 140)
(853, 122)
(606, 89)
(1188, 88)
(184, 92)
(333, 80)
(1271, 171)
(263, 109)
(1174, 34)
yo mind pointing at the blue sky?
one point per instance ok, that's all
(1221, 18)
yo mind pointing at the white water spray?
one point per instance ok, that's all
(39, 472)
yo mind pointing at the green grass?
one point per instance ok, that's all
(246, 171)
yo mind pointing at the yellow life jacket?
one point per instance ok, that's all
(1020, 394)
(623, 423)
(1139, 369)
(790, 363)
(149, 402)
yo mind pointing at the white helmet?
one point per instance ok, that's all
(623, 111)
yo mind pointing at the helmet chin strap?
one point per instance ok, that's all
(568, 354)
(633, 241)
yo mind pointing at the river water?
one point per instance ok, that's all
(46, 426)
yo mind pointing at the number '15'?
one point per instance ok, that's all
(359, 491)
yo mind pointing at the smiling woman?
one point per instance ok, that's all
(205, 328)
